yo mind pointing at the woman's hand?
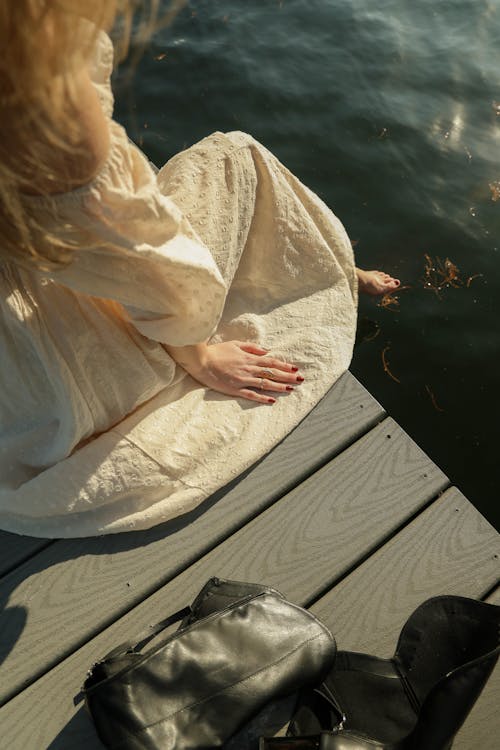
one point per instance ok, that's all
(236, 367)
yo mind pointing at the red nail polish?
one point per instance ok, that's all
(271, 400)
(289, 388)
(300, 378)
(295, 369)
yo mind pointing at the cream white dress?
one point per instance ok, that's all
(100, 431)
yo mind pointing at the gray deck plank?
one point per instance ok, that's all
(301, 545)
(482, 727)
(448, 549)
(80, 586)
(15, 549)
(318, 437)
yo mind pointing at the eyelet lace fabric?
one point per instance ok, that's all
(100, 431)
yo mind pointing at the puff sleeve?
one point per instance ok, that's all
(130, 242)
(133, 245)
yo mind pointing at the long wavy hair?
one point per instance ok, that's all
(44, 44)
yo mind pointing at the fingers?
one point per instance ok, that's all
(251, 348)
(277, 367)
(255, 375)
(275, 375)
(270, 363)
(260, 398)
(265, 360)
(264, 384)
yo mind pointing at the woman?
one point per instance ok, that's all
(147, 323)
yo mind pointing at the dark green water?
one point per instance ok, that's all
(388, 111)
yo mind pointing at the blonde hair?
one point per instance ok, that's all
(44, 44)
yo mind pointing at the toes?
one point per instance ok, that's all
(377, 282)
(383, 276)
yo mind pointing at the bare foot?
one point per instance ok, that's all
(376, 282)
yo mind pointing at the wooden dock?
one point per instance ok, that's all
(346, 516)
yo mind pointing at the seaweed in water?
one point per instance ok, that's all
(366, 330)
(386, 365)
(495, 190)
(471, 279)
(390, 300)
(439, 274)
(433, 398)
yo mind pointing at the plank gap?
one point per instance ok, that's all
(376, 547)
(274, 498)
(492, 591)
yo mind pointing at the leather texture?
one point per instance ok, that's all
(241, 647)
(419, 699)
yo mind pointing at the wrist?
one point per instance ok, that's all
(189, 357)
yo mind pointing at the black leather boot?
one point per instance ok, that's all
(418, 700)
